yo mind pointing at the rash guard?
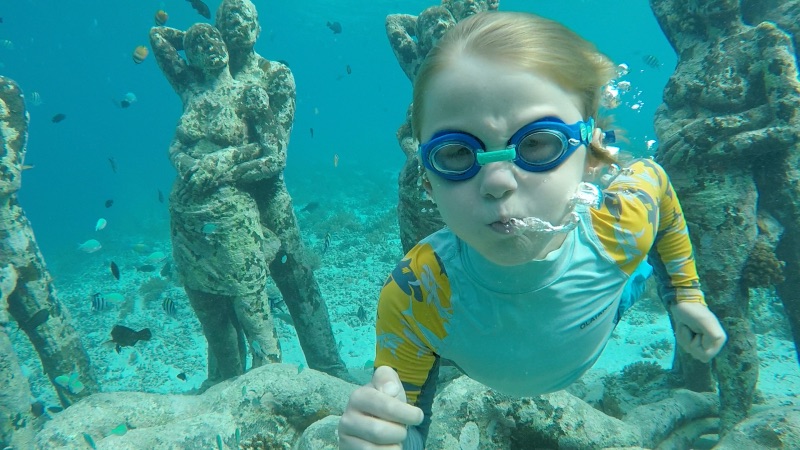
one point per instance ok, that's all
(536, 327)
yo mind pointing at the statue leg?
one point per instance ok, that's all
(295, 279)
(257, 324)
(723, 227)
(217, 316)
(15, 407)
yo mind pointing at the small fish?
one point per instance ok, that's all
(361, 314)
(120, 429)
(310, 206)
(276, 303)
(312, 132)
(98, 302)
(140, 54)
(101, 302)
(209, 228)
(284, 62)
(327, 243)
(114, 270)
(58, 117)
(28, 166)
(113, 163)
(349, 70)
(88, 438)
(300, 368)
(181, 376)
(37, 319)
(37, 408)
(160, 196)
(146, 268)
(70, 382)
(166, 271)
(54, 409)
(36, 99)
(109, 203)
(284, 258)
(336, 27)
(335, 160)
(156, 257)
(101, 223)
(127, 337)
(201, 8)
(90, 246)
(369, 364)
(127, 100)
(160, 18)
(169, 307)
(651, 61)
(219, 443)
(140, 248)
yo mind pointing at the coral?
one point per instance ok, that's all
(638, 375)
(261, 442)
(657, 349)
(762, 268)
(152, 289)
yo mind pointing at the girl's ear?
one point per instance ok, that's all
(426, 183)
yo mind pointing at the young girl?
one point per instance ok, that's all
(525, 285)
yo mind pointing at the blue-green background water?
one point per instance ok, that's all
(77, 56)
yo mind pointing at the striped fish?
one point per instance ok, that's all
(169, 307)
(651, 61)
(99, 302)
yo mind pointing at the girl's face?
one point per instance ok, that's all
(491, 101)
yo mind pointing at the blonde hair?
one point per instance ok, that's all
(528, 42)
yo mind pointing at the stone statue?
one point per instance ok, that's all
(232, 219)
(411, 38)
(730, 139)
(27, 295)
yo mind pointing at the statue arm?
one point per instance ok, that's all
(401, 30)
(166, 42)
(213, 169)
(271, 116)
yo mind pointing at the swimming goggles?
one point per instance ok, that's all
(539, 146)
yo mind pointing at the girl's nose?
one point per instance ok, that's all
(498, 179)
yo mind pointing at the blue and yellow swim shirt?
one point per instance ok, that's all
(537, 327)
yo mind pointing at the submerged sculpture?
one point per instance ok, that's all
(730, 139)
(232, 219)
(411, 38)
(27, 295)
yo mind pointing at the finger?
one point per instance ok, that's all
(372, 402)
(354, 443)
(386, 380)
(363, 431)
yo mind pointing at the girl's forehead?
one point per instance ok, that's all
(476, 91)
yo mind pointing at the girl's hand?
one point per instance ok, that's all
(377, 414)
(698, 331)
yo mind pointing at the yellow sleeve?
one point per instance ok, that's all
(413, 307)
(641, 212)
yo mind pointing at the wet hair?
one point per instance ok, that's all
(527, 42)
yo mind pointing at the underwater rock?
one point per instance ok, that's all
(270, 404)
(557, 420)
(772, 428)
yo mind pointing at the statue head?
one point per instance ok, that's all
(205, 49)
(237, 20)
